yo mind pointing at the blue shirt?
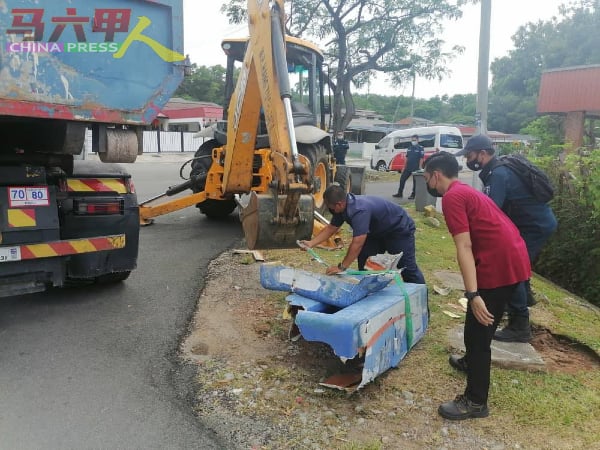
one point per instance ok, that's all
(511, 195)
(374, 216)
(414, 154)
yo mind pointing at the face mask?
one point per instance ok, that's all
(474, 165)
(432, 191)
(415, 142)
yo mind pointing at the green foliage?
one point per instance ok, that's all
(571, 256)
(540, 46)
(549, 130)
(206, 84)
(456, 109)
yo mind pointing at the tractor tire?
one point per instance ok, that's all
(213, 209)
(343, 177)
(320, 172)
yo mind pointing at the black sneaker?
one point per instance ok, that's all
(412, 197)
(397, 195)
(462, 408)
(458, 362)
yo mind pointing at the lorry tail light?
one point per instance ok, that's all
(63, 186)
(129, 186)
(104, 208)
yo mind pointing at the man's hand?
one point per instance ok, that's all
(332, 270)
(480, 312)
(304, 244)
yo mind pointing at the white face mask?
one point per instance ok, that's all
(415, 142)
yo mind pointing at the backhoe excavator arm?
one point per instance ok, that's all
(263, 83)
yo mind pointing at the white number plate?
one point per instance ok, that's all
(8, 254)
(28, 196)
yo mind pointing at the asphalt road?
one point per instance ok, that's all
(96, 367)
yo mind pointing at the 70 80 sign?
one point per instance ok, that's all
(28, 196)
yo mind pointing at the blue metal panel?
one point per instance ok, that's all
(110, 61)
(376, 325)
(337, 290)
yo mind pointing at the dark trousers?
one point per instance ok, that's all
(394, 243)
(478, 339)
(406, 173)
(517, 305)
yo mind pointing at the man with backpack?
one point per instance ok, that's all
(522, 191)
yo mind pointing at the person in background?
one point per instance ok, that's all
(493, 261)
(534, 219)
(378, 225)
(414, 161)
(340, 148)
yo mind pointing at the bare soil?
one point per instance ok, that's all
(258, 389)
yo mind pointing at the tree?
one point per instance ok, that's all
(539, 46)
(363, 37)
(205, 84)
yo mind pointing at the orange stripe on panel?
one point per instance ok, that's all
(97, 185)
(21, 218)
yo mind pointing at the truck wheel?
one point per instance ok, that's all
(343, 177)
(381, 167)
(214, 209)
(321, 172)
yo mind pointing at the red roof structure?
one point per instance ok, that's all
(570, 89)
(574, 92)
(178, 108)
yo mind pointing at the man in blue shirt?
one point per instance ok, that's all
(378, 225)
(535, 220)
(415, 155)
(340, 148)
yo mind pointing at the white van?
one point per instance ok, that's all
(433, 139)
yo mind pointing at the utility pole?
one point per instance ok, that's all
(412, 97)
(481, 111)
(484, 66)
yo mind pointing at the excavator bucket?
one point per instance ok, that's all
(265, 226)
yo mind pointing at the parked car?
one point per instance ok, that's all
(399, 161)
(433, 139)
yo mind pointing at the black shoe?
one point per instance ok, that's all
(398, 195)
(462, 408)
(517, 330)
(508, 334)
(458, 362)
(412, 197)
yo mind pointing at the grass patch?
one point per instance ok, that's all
(540, 410)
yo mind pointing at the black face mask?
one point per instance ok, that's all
(474, 165)
(433, 192)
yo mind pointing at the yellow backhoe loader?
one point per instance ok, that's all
(272, 157)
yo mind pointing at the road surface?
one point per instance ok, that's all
(96, 367)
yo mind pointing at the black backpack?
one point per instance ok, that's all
(534, 178)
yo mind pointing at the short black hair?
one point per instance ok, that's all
(415, 136)
(333, 194)
(444, 162)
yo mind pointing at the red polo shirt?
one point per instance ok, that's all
(501, 257)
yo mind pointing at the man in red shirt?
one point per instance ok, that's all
(493, 261)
